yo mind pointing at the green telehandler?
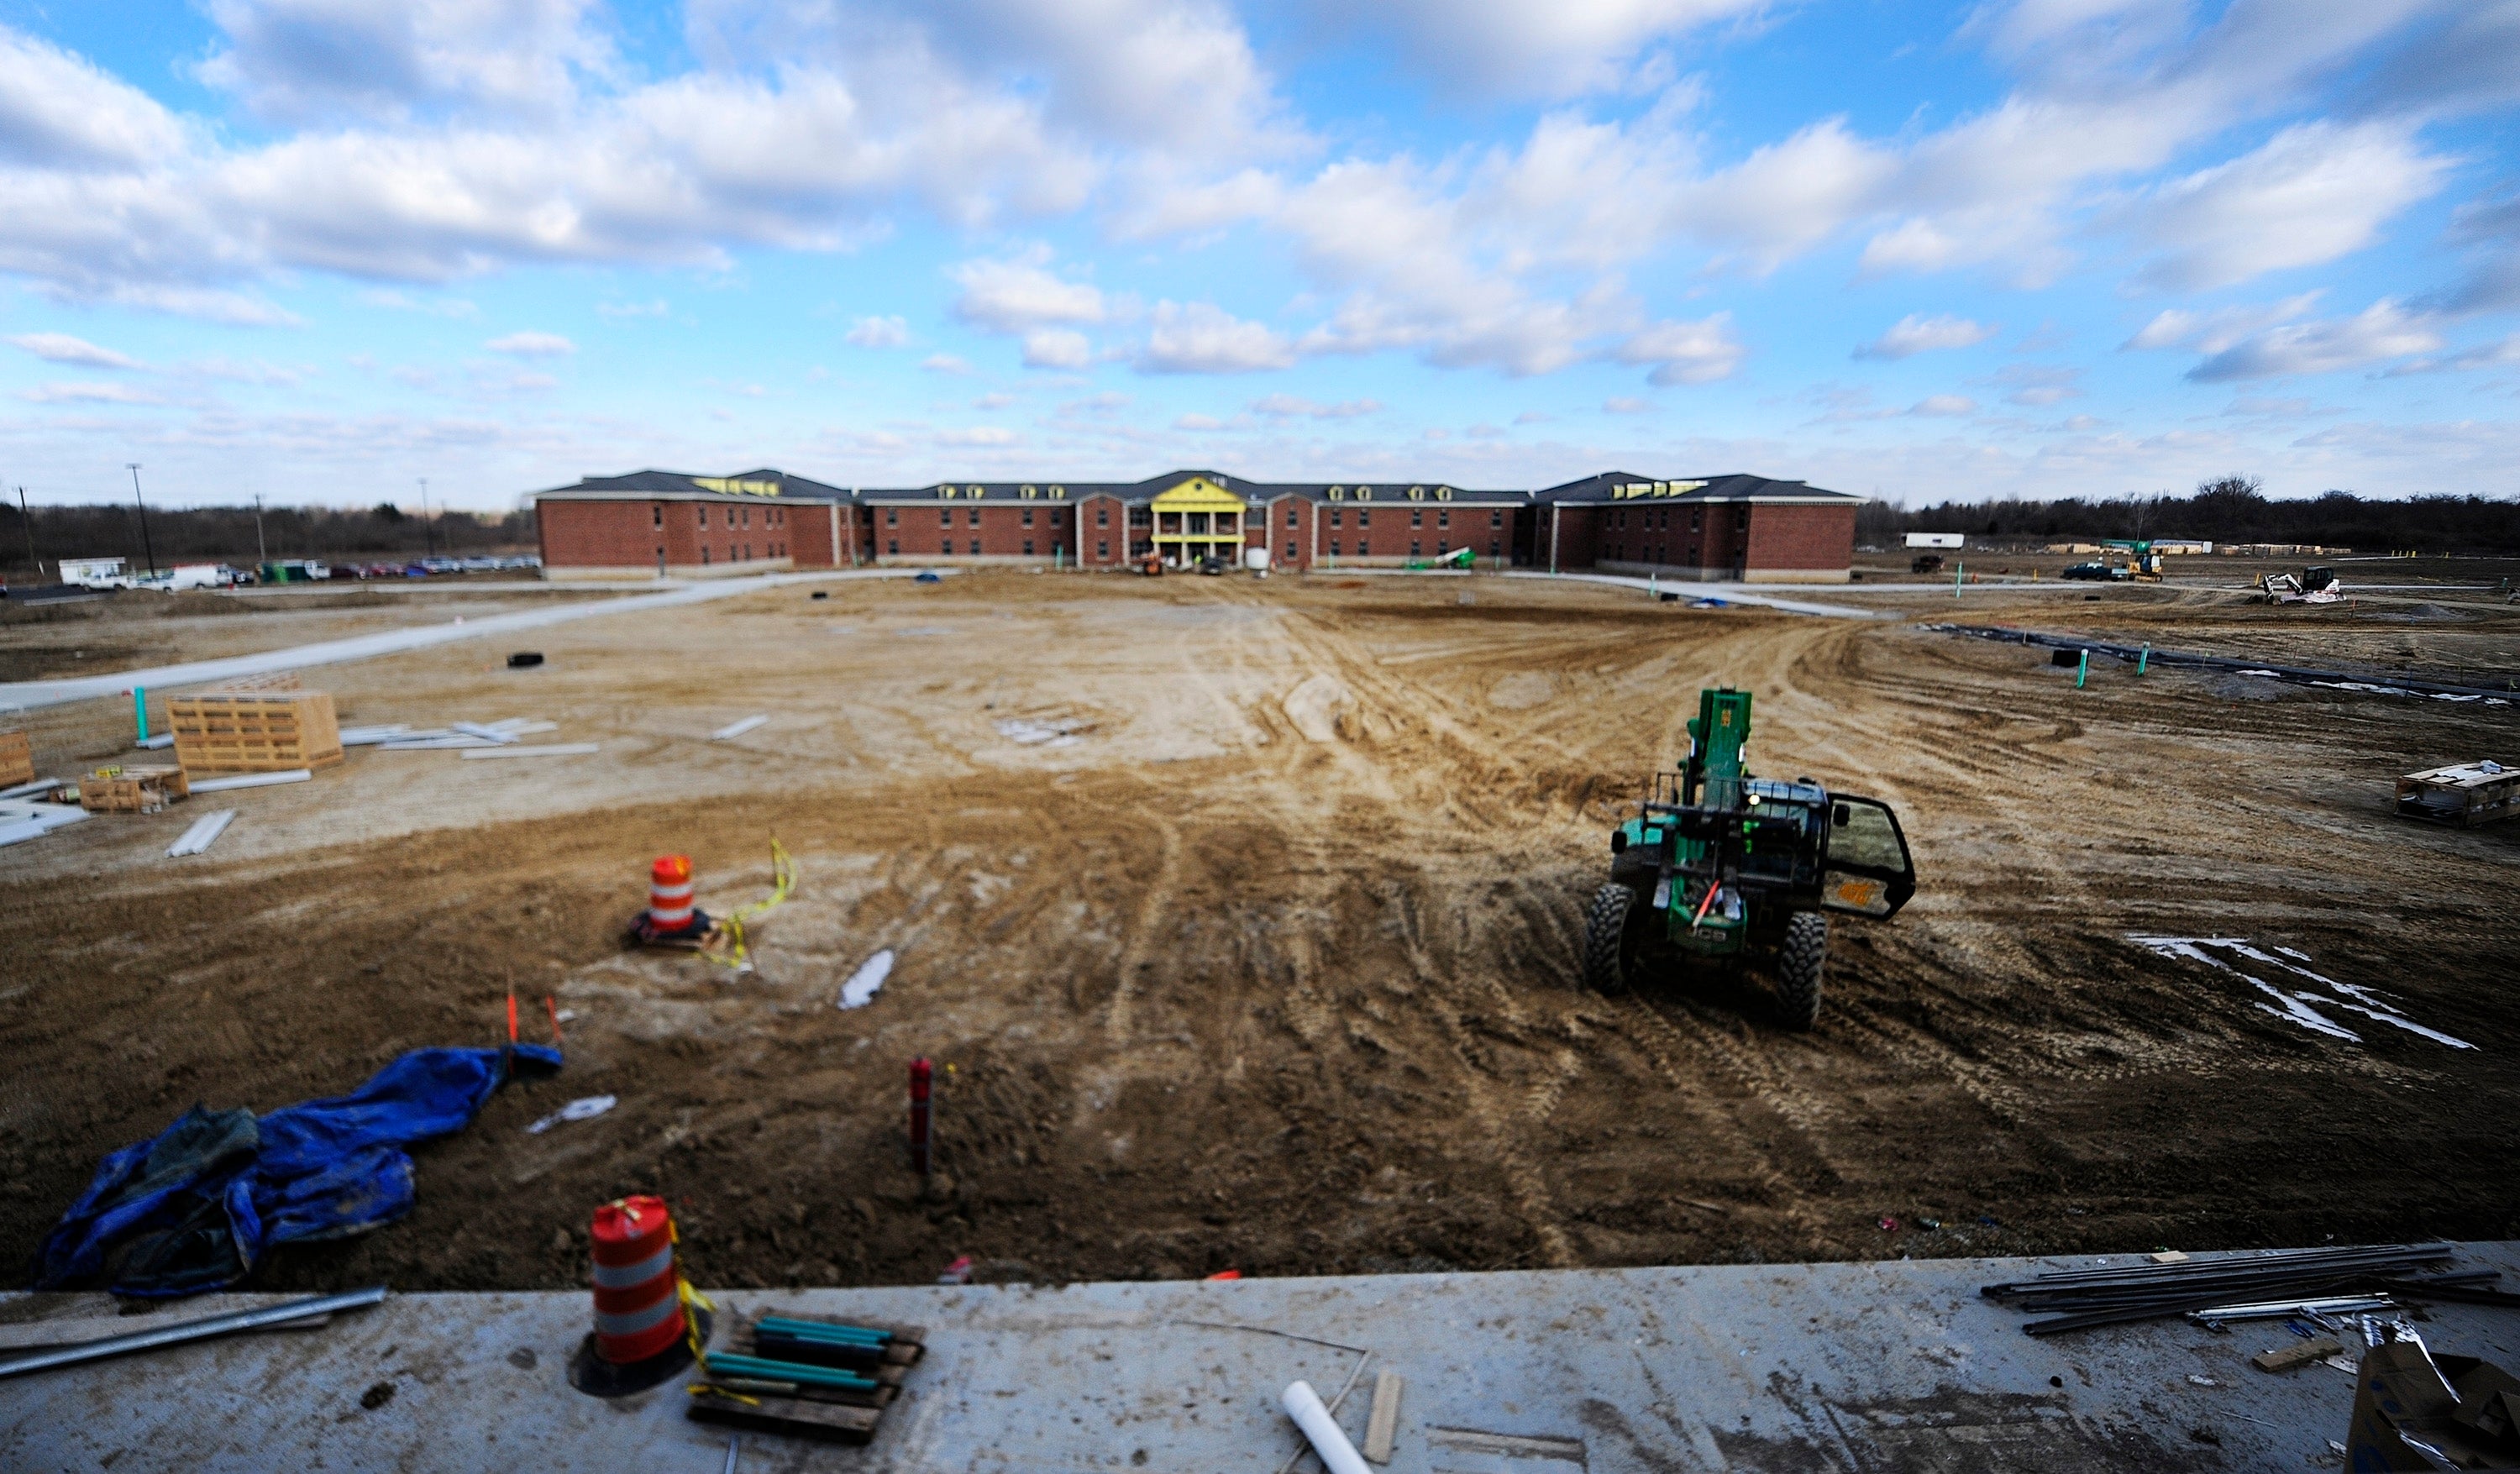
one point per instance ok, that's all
(1722, 867)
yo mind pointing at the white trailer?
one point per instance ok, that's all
(1937, 539)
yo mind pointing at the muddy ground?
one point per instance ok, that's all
(1271, 966)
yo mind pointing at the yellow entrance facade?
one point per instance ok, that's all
(1197, 519)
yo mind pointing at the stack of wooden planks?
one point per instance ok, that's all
(812, 1377)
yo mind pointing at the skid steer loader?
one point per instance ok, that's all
(1721, 867)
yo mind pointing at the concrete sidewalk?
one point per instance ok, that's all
(25, 696)
(1870, 1368)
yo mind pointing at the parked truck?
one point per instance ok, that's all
(98, 572)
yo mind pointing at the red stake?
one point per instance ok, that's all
(512, 1018)
(552, 1009)
(920, 1074)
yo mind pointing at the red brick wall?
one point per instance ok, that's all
(811, 530)
(1802, 539)
(1579, 537)
(625, 534)
(1105, 521)
(976, 530)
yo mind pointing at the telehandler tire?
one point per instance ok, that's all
(1798, 967)
(1607, 954)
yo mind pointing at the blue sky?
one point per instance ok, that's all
(322, 249)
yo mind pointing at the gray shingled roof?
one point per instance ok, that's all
(1736, 486)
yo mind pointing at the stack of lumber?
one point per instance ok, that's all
(16, 759)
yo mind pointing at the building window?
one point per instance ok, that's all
(1496, 519)
(1058, 517)
(945, 517)
(1142, 517)
(703, 554)
(1444, 518)
(1336, 516)
(1417, 520)
(945, 546)
(975, 517)
(892, 516)
(1363, 518)
(1492, 548)
(748, 548)
(1335, 547)
(1028, 547)
(1290, 550)
(1413, 548)
(1290, 516)
(892, 549)
(976, 547)
(1102, 551)
(703, 517)
(1443, 545)
(1027, 516)
(659, 513)
(1102, 516)
(1362, 550)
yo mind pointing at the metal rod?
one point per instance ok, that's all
(194, 1330)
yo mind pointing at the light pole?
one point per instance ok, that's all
(262, 552)
(26, 517)
(428, 533)
(146, 551)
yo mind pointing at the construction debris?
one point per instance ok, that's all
(2414, 1410)
(132, 790)
(584, 1109)
(861, 988)
(293, 1314)
(2467, 794)
(2391, 685)
(203, 833)
(1321, 1430)
(1383, 1424)
(736, 730)
(2154, 1292)
(253, 780)
(20, 820)
(809, 1376)
(460, 734)
(16, 759)
(2299, 1354)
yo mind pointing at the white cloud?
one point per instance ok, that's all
(879, 333)
(944, 363)
(1018, 296)
(2384, 329)
(311, 59)
(2040, 384)
(993, 401)
(1917, 333)
(1626, 405)
(1295, 406)
(1198, 423)
(1057, 348)
(1202, 337)
(976, 435)
(1698, 352)
(531, 346)
(2494, 355)
(621, 311)
(2312, 194)
(2214, 331)
(1944, 404)
(1543, 47)
(403, 301)
(58, 110)
(88, 394)
(61, 348)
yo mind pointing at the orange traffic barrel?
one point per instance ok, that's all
(638, 1300)
(670, 895)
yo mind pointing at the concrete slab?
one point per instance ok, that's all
(1843, 1367)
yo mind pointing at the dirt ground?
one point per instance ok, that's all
(1242, 918)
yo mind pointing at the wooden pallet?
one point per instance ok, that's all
(254, 731)
(16, 759)
(831, 1415)
(132, 790)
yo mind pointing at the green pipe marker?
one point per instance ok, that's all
(140, 709)
(2082, 670)
(2144, 659)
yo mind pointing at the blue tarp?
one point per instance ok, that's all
(195, 1207)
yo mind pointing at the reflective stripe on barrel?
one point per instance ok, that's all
(638, 1298)
(669, 893)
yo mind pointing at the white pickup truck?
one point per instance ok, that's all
(191, 576)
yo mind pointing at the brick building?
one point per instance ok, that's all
(656, 523)
(659, 524)
(1720, 529)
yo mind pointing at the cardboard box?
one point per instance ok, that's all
(2464, 1411)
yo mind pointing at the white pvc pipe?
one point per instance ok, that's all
(1304, 1405)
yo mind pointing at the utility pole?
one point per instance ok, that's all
(148, 551)
(29, 519)
(262, 552)
(428, 533)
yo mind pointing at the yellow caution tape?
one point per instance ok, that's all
(783, 885)
(721, 1391)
